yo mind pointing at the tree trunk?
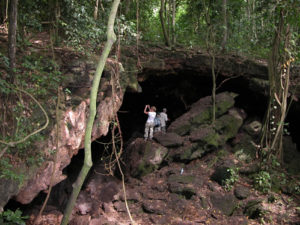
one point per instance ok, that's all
(162, 21)
(225, 26)
(279, 83)
(12, 38)
(213, 88)
(111, 38)
(127, 6)
(96, 10)
(173, 22)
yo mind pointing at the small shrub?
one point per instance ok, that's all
(11, 218)
(234, 177)
(262, 181)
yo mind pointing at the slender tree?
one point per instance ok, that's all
(278, 70)
(96, 10)
(111, 38)
(173, 22)
(12, 37)
(162, 21)
(225, 26)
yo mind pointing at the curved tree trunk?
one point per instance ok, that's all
(111, 38)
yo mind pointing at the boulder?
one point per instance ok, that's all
(200, 113)
(184, 153)
(254, 209)
(228, 125)
(241, 192)
(168, 139)
(253, 128)
(245, 146)
(206, 136)
(226, 204)
(154, 206)
(183, 185)
(143, 157)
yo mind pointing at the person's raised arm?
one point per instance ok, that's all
(145, 110)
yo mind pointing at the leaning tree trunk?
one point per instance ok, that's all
(12, 38)
(162, 21)
(111, 38)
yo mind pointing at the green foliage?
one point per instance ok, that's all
(12, 218)
(79, 25)
(234, 177)
(39, 76)
(262, 181)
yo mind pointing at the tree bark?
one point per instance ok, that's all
(225, 26)
(111, 38)
(12, 38)
(173, 22)
(96, 10)
(271, 140)
(213, 96)
(162, 21)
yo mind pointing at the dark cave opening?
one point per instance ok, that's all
(177, 92)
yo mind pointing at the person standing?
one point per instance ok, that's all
(151, 112)
(163, 120)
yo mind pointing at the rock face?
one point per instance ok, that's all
(72, 125)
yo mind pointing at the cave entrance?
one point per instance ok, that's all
(177, 92)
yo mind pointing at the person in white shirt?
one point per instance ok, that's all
(163, 120)
(150, 121)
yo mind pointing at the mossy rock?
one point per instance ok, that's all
(144, 169)
(226, 204)
(183, 154)
(246, 147)
(224, 102)
(228, 126)
(144, 157)
(183, 129)
(185, 190)
(206, 136)
(203, 117)
(197, 154)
